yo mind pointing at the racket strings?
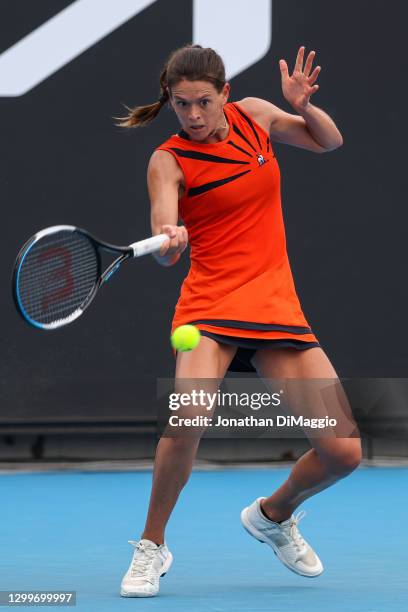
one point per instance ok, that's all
(68, 303)
(34, 287)
(56, 276)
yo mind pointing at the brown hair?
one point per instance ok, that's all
(191, 62)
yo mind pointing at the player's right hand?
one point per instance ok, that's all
(171, 250)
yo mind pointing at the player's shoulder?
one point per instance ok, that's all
(163, 165)
(262, 111)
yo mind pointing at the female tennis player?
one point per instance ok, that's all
(220, 176)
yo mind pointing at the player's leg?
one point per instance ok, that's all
(175, 455)
(205, 365)
(313, 391)
(332, 457)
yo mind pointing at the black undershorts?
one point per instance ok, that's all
(247, 348)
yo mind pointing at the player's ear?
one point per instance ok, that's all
(169, 100)
(226, 92)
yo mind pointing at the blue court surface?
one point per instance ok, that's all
(69, 531)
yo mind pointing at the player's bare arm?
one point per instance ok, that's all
(311, 128)
(165, 185)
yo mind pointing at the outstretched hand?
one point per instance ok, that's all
(299, 87)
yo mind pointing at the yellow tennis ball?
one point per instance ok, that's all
(185, 338)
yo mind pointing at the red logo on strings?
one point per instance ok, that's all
(62, 272)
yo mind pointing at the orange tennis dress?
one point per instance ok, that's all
(239, 288)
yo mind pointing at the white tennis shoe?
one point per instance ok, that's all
(284, 538)
(148, 564)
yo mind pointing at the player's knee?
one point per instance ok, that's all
(345, 456)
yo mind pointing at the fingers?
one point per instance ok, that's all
(183, 238)
(309, 62)
(171, 233)
(308, 65)
(170, 230)
(283, 68)
(299, 60)
(314, 75)
(178, 240)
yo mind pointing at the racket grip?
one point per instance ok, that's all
(150, 245)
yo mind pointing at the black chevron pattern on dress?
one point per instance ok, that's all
(207, 157)
(241, 135)
(233, 144)
(251, 125)
(194, 191)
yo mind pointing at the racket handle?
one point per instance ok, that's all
(150, 245)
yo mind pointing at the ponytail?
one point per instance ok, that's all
(191, 62)
(143, 115)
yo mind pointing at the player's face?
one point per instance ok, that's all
(199, 108)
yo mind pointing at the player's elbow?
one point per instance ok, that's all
(336, 144)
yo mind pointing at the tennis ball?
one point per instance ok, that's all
(185, 338)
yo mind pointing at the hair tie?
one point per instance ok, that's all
(163, 98)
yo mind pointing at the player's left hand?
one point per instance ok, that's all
(299, 87)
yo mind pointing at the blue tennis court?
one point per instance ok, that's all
(69, 531)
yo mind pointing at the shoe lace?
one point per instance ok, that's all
(297, 539)
(142, 562)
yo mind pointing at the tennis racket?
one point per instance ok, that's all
(58, 272)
